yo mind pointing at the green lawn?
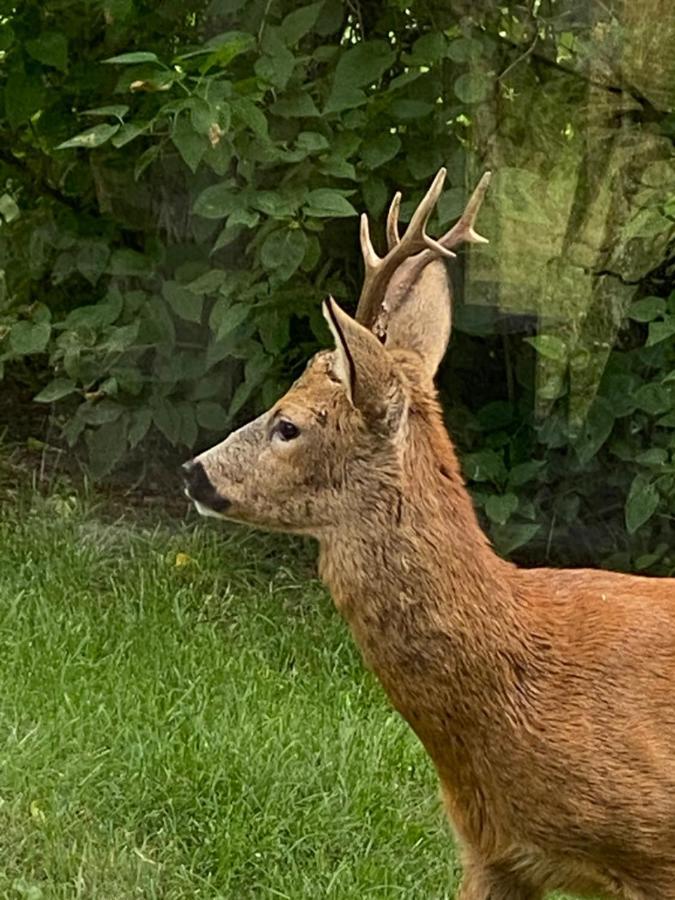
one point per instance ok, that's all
(196, 730)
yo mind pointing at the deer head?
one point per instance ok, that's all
(331, 447)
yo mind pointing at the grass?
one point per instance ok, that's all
(184, 716)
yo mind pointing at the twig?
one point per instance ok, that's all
(519, 59)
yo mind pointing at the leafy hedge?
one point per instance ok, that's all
(181, 188)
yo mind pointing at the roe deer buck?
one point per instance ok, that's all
(545, 698)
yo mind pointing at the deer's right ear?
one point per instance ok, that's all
(364, 367)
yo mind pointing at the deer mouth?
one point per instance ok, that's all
(198, 488)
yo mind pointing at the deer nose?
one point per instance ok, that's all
(199, 487)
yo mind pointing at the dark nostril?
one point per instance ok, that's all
(195, 477)
(200, 488)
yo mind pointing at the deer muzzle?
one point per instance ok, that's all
(201, 491)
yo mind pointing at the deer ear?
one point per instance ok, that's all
(364, 367)
(421, 319)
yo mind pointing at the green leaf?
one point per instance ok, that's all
(311, 142)
(190, 145)
(128, 132)
(472, 87)
(375, 195)
(250, 115)
(296, 105)
(656, 456)
(28, 338)
(92, 137)
(509, 537)
(146, 159)
(381, 149)
(210, 415)
(500, 508)
(464, 50)
(273, 204)
(130, 262)
(216, 201)
(208, 282)
(276, 64)
(182, 301)
(654, 398)
(24, 96)
(120, 338)
(647, 309)
(189, 431)
(429, 49)
(660, 331)
(525, 472)
(336, 167)
(595, 430)
(242, 216)
(298, 23)
(549, 346)
(167, 418)
(9, 209)
(406, 110)
(274, 331)
(225, 318)
(641, 504)
(102, 412)
(362, 64)
(50, 48)
(328, 203)
(283, 250)
(92, 259)
(55, 390)
(132, 59)
(141, 419)
(485, 465)
(450, 204)
(107, 446)
(96, 315)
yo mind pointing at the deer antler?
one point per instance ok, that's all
(415, 247)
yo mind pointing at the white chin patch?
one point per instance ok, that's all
(207, 511)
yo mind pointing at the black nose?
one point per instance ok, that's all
(198, 487)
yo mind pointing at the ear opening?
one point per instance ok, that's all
(364, 367)
(345, 368)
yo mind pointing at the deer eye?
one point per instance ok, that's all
(286, 430)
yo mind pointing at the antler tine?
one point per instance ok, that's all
(463, 230)
(393, 237)
(421, 215)
(370, 258)
(378, 271)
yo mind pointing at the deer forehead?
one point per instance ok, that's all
(317, 394)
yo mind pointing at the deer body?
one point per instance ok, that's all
(545, 698)
(519, 685)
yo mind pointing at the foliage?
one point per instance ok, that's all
(181, 188)
(602, 492)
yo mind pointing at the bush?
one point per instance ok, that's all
(181, 189)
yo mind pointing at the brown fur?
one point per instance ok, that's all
(545, 698)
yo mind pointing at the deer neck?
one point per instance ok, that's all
(426, 598)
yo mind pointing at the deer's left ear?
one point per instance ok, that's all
(365, 369)
(421, 319)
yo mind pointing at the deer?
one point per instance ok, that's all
(545, 698)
